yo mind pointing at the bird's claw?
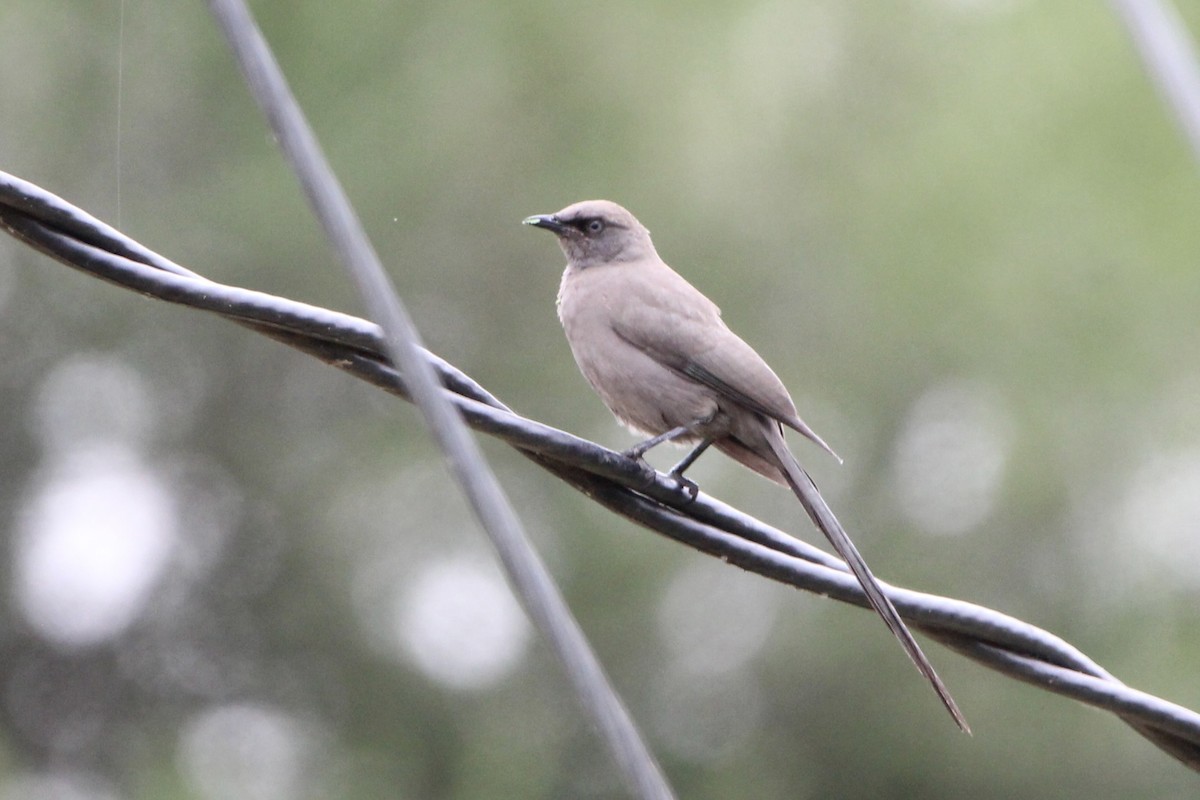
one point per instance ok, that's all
(686, 485)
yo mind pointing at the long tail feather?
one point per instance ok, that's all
(818, 510)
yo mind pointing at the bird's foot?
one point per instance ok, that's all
(636, 453)
(647, 471)
(686, 486)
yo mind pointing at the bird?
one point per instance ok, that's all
(667, 366)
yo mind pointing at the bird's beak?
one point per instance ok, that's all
(547, 221)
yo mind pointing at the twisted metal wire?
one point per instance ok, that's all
(632, 489)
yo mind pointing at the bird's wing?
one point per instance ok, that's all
(683, 330)
(713, 371)
(741, 375)
(667, 318)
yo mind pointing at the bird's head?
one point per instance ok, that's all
(596, 232)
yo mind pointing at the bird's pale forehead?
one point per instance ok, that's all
(593, 208)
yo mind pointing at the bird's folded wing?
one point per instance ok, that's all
(701, 373)
(702, 348)
(690, 338)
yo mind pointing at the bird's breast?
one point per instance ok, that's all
(641, 392)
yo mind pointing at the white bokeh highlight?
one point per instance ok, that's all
(248, 752)
(714, 619)
(459, 624)
(1160, 516)
(97, 528)
(89, 399)
(950, 457)
(92, 543)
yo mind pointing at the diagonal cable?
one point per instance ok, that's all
(1007, 645)
(528, 576)
(1163, 42)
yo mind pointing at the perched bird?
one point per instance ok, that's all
(661, 358)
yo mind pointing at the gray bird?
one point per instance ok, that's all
(661, 358)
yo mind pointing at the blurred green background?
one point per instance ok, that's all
(964, 232)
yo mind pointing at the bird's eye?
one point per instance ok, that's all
(595, 226)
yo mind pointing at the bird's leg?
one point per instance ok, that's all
(685, 462)
(689, 486)
(640, 449)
